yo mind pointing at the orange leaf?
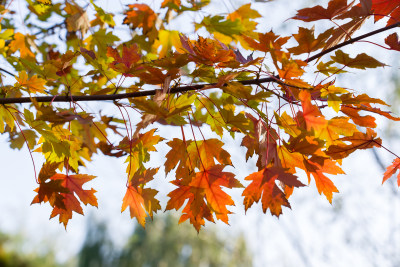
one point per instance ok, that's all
(337, 126)
(135, 202)
(311, 114)
(267, 42)
(141, 201)
(66, 187)
(307, 42)
(20, 43)
(263, 186)
(358, 140)
(178, 196)
(203, 154)
(323, 183)
(207, 51)
(210, 180)
(392, 169)
(141, 16)
(365, 121)
(177, 154)
(32, 84)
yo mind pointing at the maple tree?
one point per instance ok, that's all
(275, 93)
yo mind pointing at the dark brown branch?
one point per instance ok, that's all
(6, 71)
(353, 40)
(18, 100)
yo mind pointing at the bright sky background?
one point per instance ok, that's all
(360, 228)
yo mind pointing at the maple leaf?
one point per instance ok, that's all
(327, 68)
(267, 42)
(304, 144)
(393, 41)
(291, 70)
(221, 25)
(44, 2)
(62, 192)
(307, 42)
(392, 169)
(382, 8)
(335, 8)
(77, 20)
(358, 140)
(337, 126)
(177, 153)
(264, 187)
(141, 16)
(32, 84)
(290, 160)
(139, 201)
(311, 114)
(202, 153)
(51, 191)
(175, 4)
(138, 150)
(207, 51)
(317, 168)
(21, 43)
(124, 64)
(204, 196)
(263, 142)
(344, 32)
(209, 182)
(361, 61)
(365, 121)
(195, 210)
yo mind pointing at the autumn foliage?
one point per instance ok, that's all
(274, 94)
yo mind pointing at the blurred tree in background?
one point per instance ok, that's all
(163, 243)
(12, 255)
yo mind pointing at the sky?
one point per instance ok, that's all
(360, 228)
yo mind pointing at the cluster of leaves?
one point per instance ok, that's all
(298, 120)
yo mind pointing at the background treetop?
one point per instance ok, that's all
(228, 78)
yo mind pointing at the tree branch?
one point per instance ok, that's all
(6, 71)
(352, 41)
(180, 89)
(18, 100)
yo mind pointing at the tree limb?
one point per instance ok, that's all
(18, 100)
(75, 98)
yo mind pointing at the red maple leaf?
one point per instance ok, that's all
(124, 64)
(335, 8)
(384, 8)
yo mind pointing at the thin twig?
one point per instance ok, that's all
(353, 41)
